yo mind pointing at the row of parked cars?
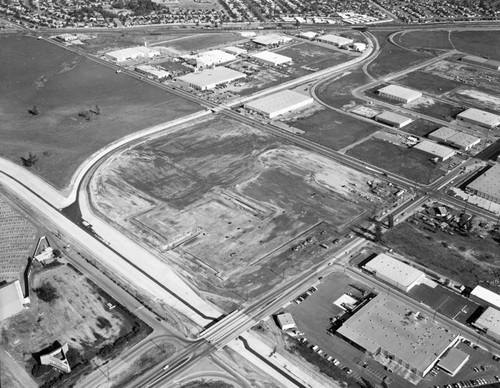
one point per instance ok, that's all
(306, 295)
(334, 361)
(471, 383)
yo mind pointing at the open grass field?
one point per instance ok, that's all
(61, 84)
(434, 108)
(428, 83)
(337, 92)
(420, 127)
(425, 39)
(313, 57)
(333, 129)
(198, 42)
(406, 162)
(465, 259)
(229, 199)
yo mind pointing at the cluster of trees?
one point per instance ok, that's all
(139, 7)
(46, 292)
(87, 114)
(30, 161)
(107, 349)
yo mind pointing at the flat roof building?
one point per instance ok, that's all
(209, 58)
(132, 53)
(210, 78)
(153, 72)
(235, 50)
(453, 361)
(460, 140)
(436, 150)
(271, 39)
(479, 117)
(285, 321)
(484, 295)
(487, 186)
(399, 93)
(346, 302)
(279, 103)
(480, 61)
(308, 34)
(335, 40)
(489, 322)
(270, 58)
(388, 329)
(394, 272)
(393, 119)
(11, 300)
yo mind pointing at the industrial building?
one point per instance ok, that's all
(480, 61)
(279, 103)
(11, 300)
(479, 117)
(487, 186)
(335, 40)
(270, 58)
(483, 295)
(271, 40)
(211, 78)
(436, 150)
(346, 302)
(285, 321)
(456, 139)
(394, 272)
(489, 322)
(389, 331)
(359, 47)
(453, 361)
(153, 72)
(393, 119)
(131, 54)
(235, 50)
(208, 58)
(308, 35)
(399, 93)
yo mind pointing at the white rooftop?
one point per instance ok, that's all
(480, 116)
(308, 34)
(485, 294)
(345, 299)
(235, 50)
(270, 39)
(490, 320)
(393, 117)
(209, 77)
(335, 39)
(449, 135)
(11, 300)
(285, 319)
(435, 149)
(270, 56)
(401, 92)
(278, 102)
(392, 268)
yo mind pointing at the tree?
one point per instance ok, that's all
(30, 160)
(96, 110)
(57, 253)
(378, 232)
(34, 111)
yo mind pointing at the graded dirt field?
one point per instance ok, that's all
(420, 127)
(434, 108)
(229, 199)
(428, 83)
(61, 84)
(406, 162)
(198, 42)
(332, 129)
(76, 315)
(338, 92)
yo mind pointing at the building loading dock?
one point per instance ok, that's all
(479, 117)
(279, 103)
(211, 78)
(399, 93)
(393, 119)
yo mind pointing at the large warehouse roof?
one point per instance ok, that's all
(435, 149)
(400, 92)
(270, 39)
(209, 77)
(279, 103)
(488, 184)
(490, 321)
(385, 324)
(442, 133)
(393, 118)
(11, 300)
(391, 268)
(132, 53)
(335, 39)
(480, 117)
(271, 57)
(485, 294)
(457, 139)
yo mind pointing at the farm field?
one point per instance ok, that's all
(228, 200)
(62, 84)
(408, 163)
(65, 307)
(332, 129)
(314, 57)
(468, 260)
(428, 83)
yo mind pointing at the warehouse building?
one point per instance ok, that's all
(308, 35)
(389, 330)
(285, 321)
(436, 150)
(208, 58)
(394, 272)
(487, 186)
(453, 361)
(483, 295)
(131, 54)
(153, 72)
(393, 119)
(480, 61)
(479, 117)
(336, 40)
(279, 103)
(272, 40)
(459, 140)
(211, 78)
(235, 50)
(489, 322)
(11, 300)
(270, 58)
(399, 93)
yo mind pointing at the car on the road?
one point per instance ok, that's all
(347, 370)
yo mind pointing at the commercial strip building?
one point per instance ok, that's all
(480, 61)
(279, 103)
(132, 53)
(208, 58)
(335, 40)
(399, 93)
(456, 139)
(211, 78)
(393, 119)
(11, 300)
(487, 186)
(153, 72)
(479, 117)
(270, 58)
(489, 322)
(436, 150)
(394, 272)
(483, 295)
(397, 336)
(271, 39)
